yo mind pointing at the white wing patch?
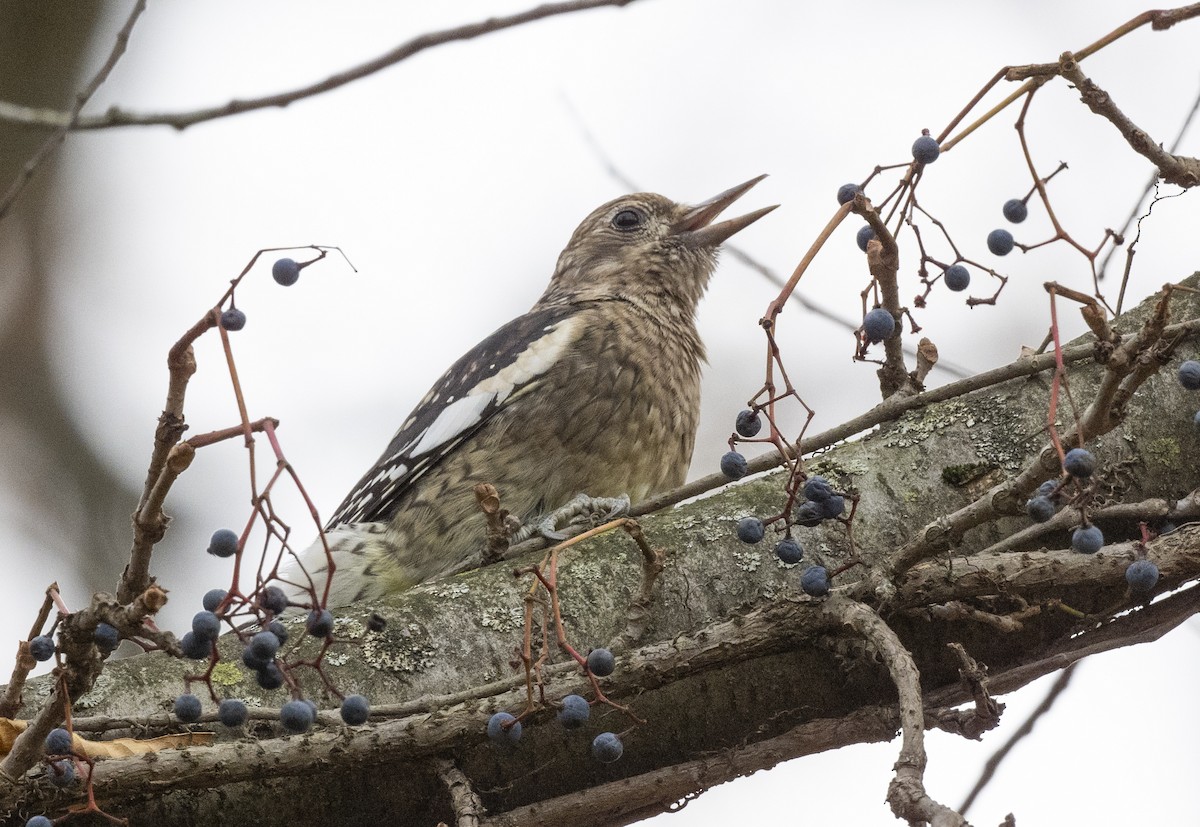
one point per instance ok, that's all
(463, 414)
(535, 360)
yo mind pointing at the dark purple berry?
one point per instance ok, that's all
(285, 271)
(601, 663)
(319, 623)
(1189, 375)
(212, 599)
(1079, 463)
(575, 711)
(501, 731)
(355, 710)
(1039, 509)
(61, 773)
(809, 514)
(750, 530)
(733, 465)
(1000, 242)
(296, 716)
(817, 489)
(1015, 210)
(273, 599)
(925, 150)
(232, 712)
(846, 192)
(607, 747)
(815, 581)
(58, 742)
(832, 507)
(196, 648)
(1087, 539)
(864, 236)
(957, 277)
(269, 677)
(748, 423)
(42, 648)
(1142, 576)
(187, 708)
(789, 551)
(107, 637)
(263, 645)
(879, 324)
(224, 543)
(233, 319)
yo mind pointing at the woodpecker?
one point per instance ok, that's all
(595, 391)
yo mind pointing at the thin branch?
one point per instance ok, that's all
(993, 763)
(71, 118)
(116, 117)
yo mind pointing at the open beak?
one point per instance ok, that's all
(695, 228)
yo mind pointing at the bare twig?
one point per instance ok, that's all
(906, 793)
(464, 801)
(116, 117)
(70, 119)
(993, 763)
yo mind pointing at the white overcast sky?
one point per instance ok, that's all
(452, 181)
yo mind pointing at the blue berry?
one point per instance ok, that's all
(864, 236)
(1000, 242)
(501, 734)
(263, 645)
(607, 747)
(285, 271)
(925, 150)
(1039, 509)
(253, 660)
(232, 712)
(1142, 576)
(878, 325)
(817, 489)
(815, 581)
(269, 676)
(61, 773)
(107, 637)
(224, 543)
(1087, 539)
(296, 716)
(233, 319)
(601, 663)
(809, 514)
(846, 192)
(58, 742)
(42, 647)
(279, 630)
(1079, 463)
(355, 710)
(273, 599)
(957, 277)
(575, 711)
(319, 623)
(789, 551)
(194, 647)
(39, 821)
(733, 465)
(1189, 375)
(187, 708)
(206, 625)
(748, 423)
(212, 599)
(750, 530)
(833, 507)
(1015, 210)
(1047, 488)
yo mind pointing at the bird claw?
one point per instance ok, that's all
(580, 511)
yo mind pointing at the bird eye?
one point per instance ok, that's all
(628, 219)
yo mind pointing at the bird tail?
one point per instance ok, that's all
(357, 570)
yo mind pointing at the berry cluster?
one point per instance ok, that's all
(504, 729)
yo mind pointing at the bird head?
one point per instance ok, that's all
(649, 250)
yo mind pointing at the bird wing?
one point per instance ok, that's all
(475, 388)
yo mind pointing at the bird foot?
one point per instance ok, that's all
(583, 511)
